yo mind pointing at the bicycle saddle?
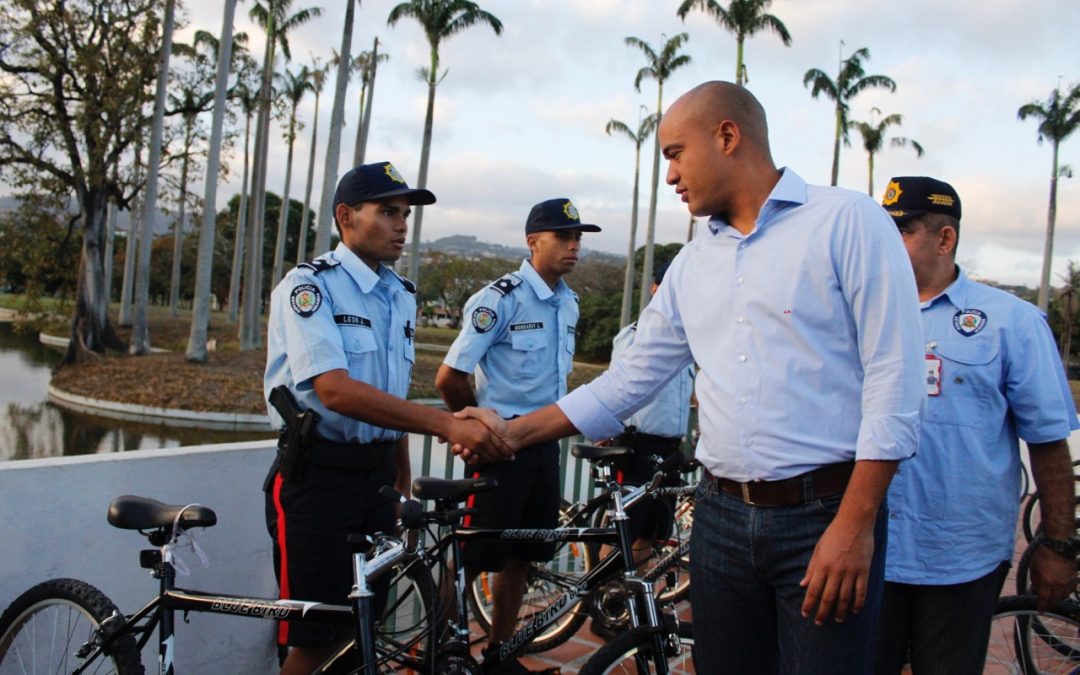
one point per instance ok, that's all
(142, 513)
(427, 487)
(595, 453)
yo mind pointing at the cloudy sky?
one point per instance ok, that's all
(520, 117)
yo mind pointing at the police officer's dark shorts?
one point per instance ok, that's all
(527, 497)
(311, 556)
(653, 517)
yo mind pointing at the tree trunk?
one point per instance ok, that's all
(836, 144)
(237, 272)
(140, 332)
(740, 79)
(1048, 248)
(90, 329)
(283, 219)
(325, 222)
(870, 174)
(366, 124)
(650, 233)
(131, 242)
(110, 243)
(301, 245)
(421, 180)
(200, 310)
(181, 222)
(628, 278)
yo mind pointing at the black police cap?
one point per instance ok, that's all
(370, 182)
(556, 214)
(908, 197)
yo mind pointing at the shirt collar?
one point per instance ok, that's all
(789, 191)
(537, 283)
(956, 292)
(364, 276)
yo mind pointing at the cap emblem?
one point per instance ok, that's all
(892, 194)
(571, 211)
(393, 174)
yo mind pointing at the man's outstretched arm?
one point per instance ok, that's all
(546, 424)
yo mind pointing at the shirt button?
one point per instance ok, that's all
(738, 280)
(742, 358)
(749, 442)
(740, 318)
(742, 400)
(742, 245)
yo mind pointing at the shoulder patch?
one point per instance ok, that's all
(483, 319)
(506, 284)
(319, 265)
(305, 299)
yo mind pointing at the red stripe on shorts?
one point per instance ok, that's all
(470, 503)
(283, 576)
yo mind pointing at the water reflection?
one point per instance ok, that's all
(31, 427)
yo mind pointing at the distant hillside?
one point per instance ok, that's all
(469, 246)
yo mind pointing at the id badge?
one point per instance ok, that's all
(933, 375)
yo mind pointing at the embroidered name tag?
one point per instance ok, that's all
(531, 325)
(352, 320)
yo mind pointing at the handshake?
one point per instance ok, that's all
(479, 435)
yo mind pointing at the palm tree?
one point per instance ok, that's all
(1069, 298)
(274, 18)
(440, 19)
(851, 80)
(324, 222)
(660, 67)
(140, 331)
(1058, 118)
(646, 126)
(296, 85)
(200, 313)
(317, 74)
(366, 64)
(743, 18)
(248, 95)
(873, 135)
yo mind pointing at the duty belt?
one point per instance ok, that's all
(362, 456)
(827, 481)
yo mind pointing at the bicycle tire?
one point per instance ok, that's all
(618, 655)
(1025, 640)
(42, 630)
(572, 560)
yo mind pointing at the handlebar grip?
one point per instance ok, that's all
(673, 461)
(412, 514)
(391, 493)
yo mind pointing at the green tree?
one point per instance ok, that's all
(451, 280)
(440, 19)
(851, 80)
(1058, 117)
(37, 241)
(246, 92)
(75, 79)
(743, 18)
(660, 67)
(295, 86)
(646, 126)
(873, 136)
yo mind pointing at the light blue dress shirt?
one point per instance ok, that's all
(805, 332)
(518, 336)
(953, 508)
(668, 413)
(346, 317)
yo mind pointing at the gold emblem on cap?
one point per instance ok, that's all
(571, 211)
(393, 174)
(892, 193)
(941, 200)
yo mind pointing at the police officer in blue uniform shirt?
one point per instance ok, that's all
(992, 375)
(340, 337)
(518, 337)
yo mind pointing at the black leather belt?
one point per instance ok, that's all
(361, 456)
(827, 481)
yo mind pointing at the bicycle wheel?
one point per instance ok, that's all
(46, 627)
(620, 655)
(546, 582)
(1024, 640)
(411, 624)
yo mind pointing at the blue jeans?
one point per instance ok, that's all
(746, 563)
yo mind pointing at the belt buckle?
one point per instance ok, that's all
(746, 493)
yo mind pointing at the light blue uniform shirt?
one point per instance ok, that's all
(805, 332)
(518, 336)
(668, 413)
(953, 507)
(346, 317)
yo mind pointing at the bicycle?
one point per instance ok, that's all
(656, 630)
(67, 625)
(668, 567)
(1025, 640)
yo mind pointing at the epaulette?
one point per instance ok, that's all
(633, 326)
(319, 265)
(409, 286)
(507, 283)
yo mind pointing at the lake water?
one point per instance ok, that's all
(31, 427)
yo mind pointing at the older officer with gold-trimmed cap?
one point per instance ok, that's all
(992, 375)
(340, 338)
(518, 335)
